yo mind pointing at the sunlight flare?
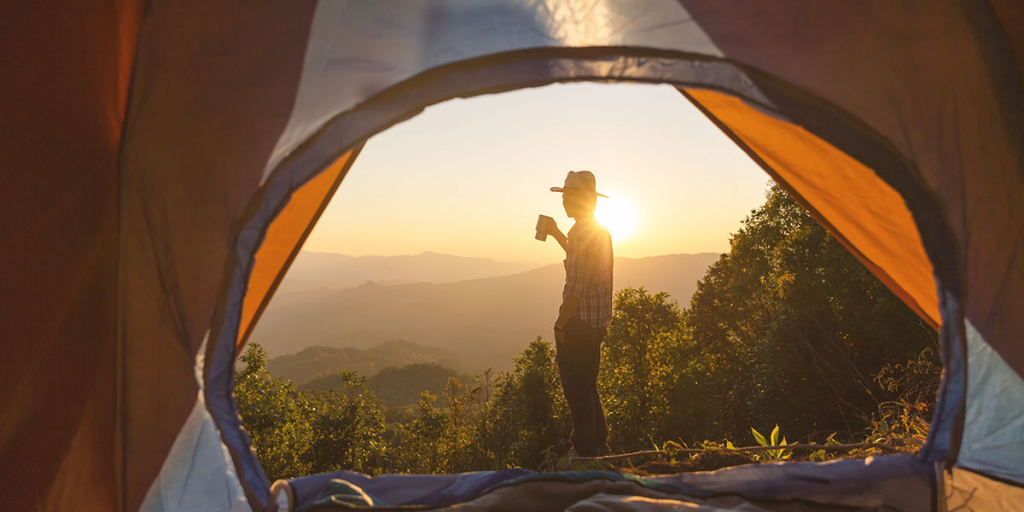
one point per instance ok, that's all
(619, 216)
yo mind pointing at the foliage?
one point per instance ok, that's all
(787, 328)
(779, 454)
(641, 355)
(790, 326)
(296, 433)
(529, 414)
(273, 416)
(434, 440)
(347, 428)
(904, 419)
(518, 418)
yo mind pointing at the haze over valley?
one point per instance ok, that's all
(464, 313)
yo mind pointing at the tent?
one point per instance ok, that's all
(165, 160)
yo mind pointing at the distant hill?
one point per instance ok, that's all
(317, 361)
(318, 270)
(486, 322)
(396, 387)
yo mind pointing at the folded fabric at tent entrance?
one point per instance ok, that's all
(900, 482)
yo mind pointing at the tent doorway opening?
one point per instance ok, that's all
(211, 138)
(789, 329)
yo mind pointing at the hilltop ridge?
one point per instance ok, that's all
(483, 321)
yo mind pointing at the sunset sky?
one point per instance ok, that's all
(469, 177)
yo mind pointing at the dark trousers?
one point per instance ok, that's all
(579, 361)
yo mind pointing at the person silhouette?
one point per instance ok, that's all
(585, 312)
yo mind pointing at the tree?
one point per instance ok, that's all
(273, 413)
(791, 327)
(297, 433)
(347, 428)
(643, 351)
(528, 416)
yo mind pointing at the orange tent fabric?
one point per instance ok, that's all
(285, 237)
(859, 209)
(66, 70)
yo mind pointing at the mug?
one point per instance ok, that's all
(543, 223)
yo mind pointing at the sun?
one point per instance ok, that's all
(619, 216)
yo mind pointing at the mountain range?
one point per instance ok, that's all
(478, 323)
(396, 386)
(313, 362)
(319, 270)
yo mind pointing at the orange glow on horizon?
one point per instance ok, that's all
(469, 177)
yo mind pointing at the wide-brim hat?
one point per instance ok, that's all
(580, 181)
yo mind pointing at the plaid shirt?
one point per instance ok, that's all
(588, 272)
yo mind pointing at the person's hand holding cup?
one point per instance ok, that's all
(545, 226)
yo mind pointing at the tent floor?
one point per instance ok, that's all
(896, 482)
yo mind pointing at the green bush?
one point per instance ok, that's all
(297, 433)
